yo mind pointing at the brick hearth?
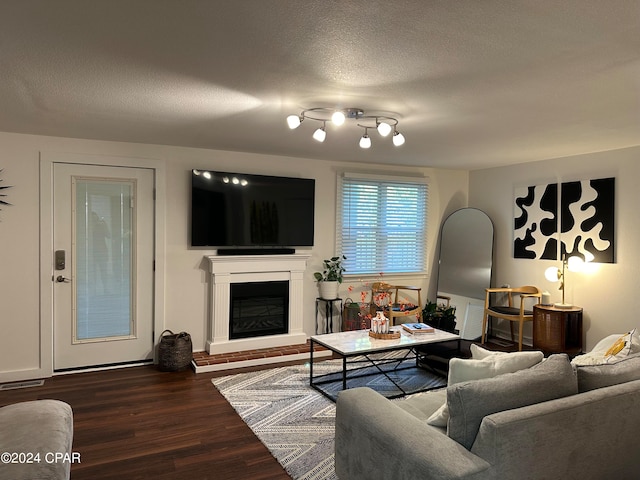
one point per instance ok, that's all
(204, 362)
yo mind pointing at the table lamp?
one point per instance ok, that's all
(554, 274)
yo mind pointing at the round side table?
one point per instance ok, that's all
(557, 330)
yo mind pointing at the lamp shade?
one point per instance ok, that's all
(293, 121)
(384, 129)
(575, 264)
(365, 141)
(320, 135)
(398, 139)
(552, 274)
(338, 118)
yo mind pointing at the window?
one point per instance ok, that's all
(381, 224)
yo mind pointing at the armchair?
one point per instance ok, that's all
(510, 312)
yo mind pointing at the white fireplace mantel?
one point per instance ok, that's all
(226, 270)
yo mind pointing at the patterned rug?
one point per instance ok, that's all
(296, 422)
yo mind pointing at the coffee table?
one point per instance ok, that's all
(364, 356)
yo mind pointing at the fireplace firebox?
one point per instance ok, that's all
(259, 309)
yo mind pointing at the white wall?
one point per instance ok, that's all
(186, 286)
(607, 295)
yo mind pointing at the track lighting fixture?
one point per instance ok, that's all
(383, 124)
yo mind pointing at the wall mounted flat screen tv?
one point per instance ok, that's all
(242, 210)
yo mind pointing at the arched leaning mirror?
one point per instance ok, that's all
(465, 267)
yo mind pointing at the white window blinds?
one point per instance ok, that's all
(381, 224)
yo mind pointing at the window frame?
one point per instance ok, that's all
(382, 179)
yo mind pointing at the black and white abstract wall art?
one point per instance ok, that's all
(587, 214)
(536, 222)
(573, 218)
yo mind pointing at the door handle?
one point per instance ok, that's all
(62, 279)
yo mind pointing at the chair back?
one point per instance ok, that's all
(527, 290)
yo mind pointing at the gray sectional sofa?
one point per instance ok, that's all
(35, 440)
(550, 421)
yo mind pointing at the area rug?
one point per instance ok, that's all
(294, 421)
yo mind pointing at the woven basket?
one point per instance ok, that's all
(175, 351)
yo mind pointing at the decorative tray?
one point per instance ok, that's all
(384, 336)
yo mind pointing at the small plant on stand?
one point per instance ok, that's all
(330, 278)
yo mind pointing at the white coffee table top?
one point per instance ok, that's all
(359, 341)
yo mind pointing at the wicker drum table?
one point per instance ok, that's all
(557, 330)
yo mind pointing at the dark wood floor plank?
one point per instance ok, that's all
(140, 423)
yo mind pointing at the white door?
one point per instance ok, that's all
(103, 231)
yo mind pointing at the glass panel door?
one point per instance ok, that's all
(104, 249)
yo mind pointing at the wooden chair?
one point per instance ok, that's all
(409, 311)
(510, 312)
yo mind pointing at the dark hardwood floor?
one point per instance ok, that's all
(140, 423)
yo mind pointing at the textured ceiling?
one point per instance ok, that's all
(474, 83)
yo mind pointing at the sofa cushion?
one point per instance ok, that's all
(470, 402)
(601, 375)
(483, 364)
(422, 405)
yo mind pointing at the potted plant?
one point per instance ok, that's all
(330, 278)
(440, 316)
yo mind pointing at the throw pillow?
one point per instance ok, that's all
(610, 349)
(619, 370)
(470, 402)
(464, 370)
(486, 364)
(605, 344)
(626, 345)
(616, 347)
(478, 353)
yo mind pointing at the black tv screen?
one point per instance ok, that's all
(242, 210)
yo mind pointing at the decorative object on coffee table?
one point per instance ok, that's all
(418, 328)
(380, 328)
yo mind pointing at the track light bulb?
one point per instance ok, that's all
(398, 139)
(320, 134)
(365, 141)
(293, 121)
(338, 118)
(384, 129)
